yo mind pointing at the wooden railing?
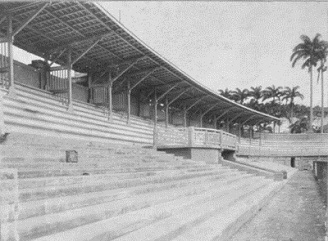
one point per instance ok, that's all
(195, 137)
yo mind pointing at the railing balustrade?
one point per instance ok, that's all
(195, 137)
(58, 84)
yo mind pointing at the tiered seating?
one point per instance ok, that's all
(35, 109)
(118, 192)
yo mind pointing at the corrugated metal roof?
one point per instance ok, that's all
(78, 24)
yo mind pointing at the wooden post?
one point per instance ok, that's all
(191, 136)
(69, 76)
(155, 120)
(129, 102)
(155, 108)
(90, 97)
(201, 119)
(166, 112)
(2, 116)
(11, 92)
(184, 116)
(110, 99)
(227, 125)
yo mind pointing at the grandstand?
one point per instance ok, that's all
(104, 139)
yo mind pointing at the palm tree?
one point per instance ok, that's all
(289, 95)
(240, 95)
(257, 94)
(272, 92)
(227, 93)
(310, 52)
(322, 68)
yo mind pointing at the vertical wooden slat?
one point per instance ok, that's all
(11, 58)
(129, 101)
(110, 100)
(70, 84)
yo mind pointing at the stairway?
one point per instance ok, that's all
(117, 192)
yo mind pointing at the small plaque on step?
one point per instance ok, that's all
(71, 156)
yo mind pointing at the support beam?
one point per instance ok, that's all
(196, 102)
(69, 76)
(179, 95)
(86, 51)
(126, 69)
(11, 92)
(29, 19)
(204, 113)
(251, 117)
(143, 78)
(236, 116)
(166, 92)
(58, 56)
(225, 112)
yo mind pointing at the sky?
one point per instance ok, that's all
(229, 44)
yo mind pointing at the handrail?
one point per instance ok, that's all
(195, 137)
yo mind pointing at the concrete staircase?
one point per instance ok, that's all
(117, 192)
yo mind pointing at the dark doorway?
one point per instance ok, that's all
(292, 162)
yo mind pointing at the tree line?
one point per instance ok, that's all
(272, 100)
(279, 101)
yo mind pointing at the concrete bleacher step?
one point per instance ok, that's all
(232, 218)
(71, 189)
(173, 226)
(75, 217)
(82, 170)
(144, 218)
(58, 204)
(108, 177)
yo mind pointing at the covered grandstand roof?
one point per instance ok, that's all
(48, 29)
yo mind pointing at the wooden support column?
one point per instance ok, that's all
(129, 101)
(69, 76)
(2, 116)
(215, 122)
(90, 97)
(184, 116)
(155, 108)
(227, 125)
(10, 37)
(166, 112)
(201, 119)
(110, 99)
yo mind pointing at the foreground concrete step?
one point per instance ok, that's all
(115, 175)
(50, 192)
(230, 220)
(120, 225)
(72, 218)
(16, 158)
(170, 228)
(80, 171)
(98, 164)
(42, 207)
